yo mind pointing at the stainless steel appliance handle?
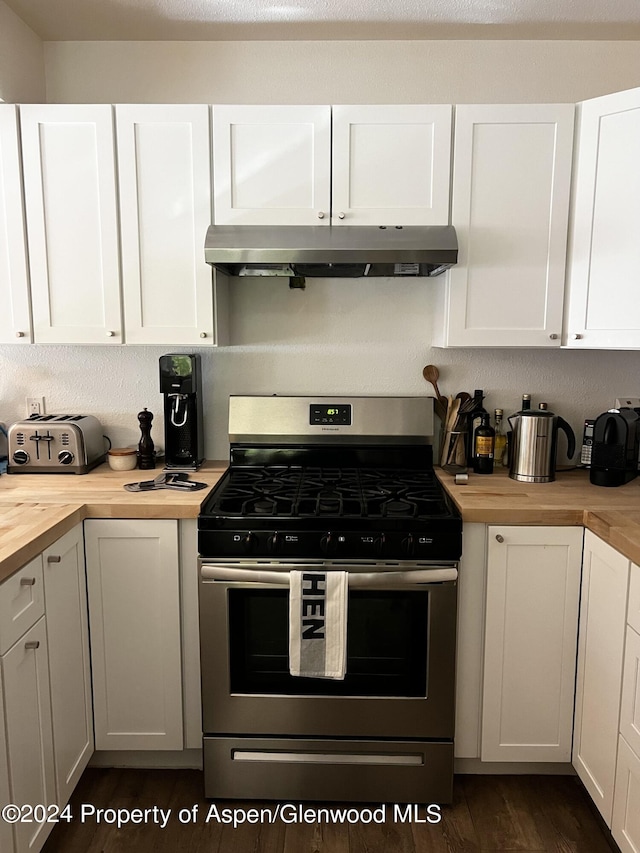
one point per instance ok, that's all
(356, 580)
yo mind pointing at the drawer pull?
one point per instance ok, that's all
(54, 559)
(32, 644)
(27, 581)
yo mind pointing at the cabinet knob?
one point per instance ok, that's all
(203, 334)
(32, 644)
(553, 336)
(341, 215)
(27, 581)
(19, 334)
(320, 214)
(110, 334)
(576, 337)
(54, 558)
(499, 538)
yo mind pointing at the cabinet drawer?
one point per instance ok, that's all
(633, 612)
(21, 603)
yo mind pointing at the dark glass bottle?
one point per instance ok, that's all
(526, 402)
(474, 421)
(484, 437)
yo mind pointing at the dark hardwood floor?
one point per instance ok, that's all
(489, 813)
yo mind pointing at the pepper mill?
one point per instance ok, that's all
(146, 454)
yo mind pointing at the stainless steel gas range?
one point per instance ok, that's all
(320, 486)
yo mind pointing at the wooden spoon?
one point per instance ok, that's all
(432, 374)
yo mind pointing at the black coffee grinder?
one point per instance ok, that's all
(181, 384)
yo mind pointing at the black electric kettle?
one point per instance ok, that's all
(614, 455)
(534, 442)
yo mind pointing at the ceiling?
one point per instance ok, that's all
(212, 20)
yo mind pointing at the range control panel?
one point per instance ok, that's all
(330, 414)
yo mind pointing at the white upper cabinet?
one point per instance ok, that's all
(15, 319)
(70, 200)
(391, 165)
(164, 176)
(604, 256)
(318, 165)
(271, 165)
(510, 207)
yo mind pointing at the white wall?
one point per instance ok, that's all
(21, 60)
(345, 72)
(345, 337)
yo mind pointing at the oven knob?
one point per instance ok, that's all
(248, 542)
(379, 543)
(408, 545)
(20, 457)
(65, 457)
(329, 543)
(273, 543)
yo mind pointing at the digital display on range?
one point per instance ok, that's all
(330, 414)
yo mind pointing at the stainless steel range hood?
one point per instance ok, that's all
(347, 251)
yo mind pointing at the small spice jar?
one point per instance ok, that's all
(122, 458)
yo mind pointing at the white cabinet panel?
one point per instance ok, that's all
(603, 607)
(21, 602)
(69, 661)
(164, 176)
(15, 318)
(630, 703)
(391, 165)
(25, 673)
(6, 832)
(533, 589)
(604, 256)
(633, 610)
(626, 808)
(70, 201)
(271, 165)
(134, 614)
(510, 202)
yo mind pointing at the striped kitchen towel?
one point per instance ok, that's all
(318, 624)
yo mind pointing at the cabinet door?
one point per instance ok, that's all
(164, 177)
(630, 702)
(633, 610)
(626, 808)
(6, 833)
(69, 663)
(510, 202)
(134, 615)
(271, 165)
(391, 165)
(533, 589)
(603, 604)
(604, 256)
(25, 672)
(70, 200)
(15, 320)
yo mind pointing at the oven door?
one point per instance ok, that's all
(401, 629)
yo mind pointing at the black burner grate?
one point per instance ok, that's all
(329, 493)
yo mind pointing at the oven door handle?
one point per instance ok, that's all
(356, 580)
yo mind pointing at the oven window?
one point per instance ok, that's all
(386, 645)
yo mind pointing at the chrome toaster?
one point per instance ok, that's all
(56, 444)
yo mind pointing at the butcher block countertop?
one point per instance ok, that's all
(613, 514)
(36, 509)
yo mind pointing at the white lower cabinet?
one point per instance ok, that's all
(47, 736)
(25, 674)
(69, 663)
(603, 607)
(6, 833)
(626, 808)
(134, 615)
(533, 589)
